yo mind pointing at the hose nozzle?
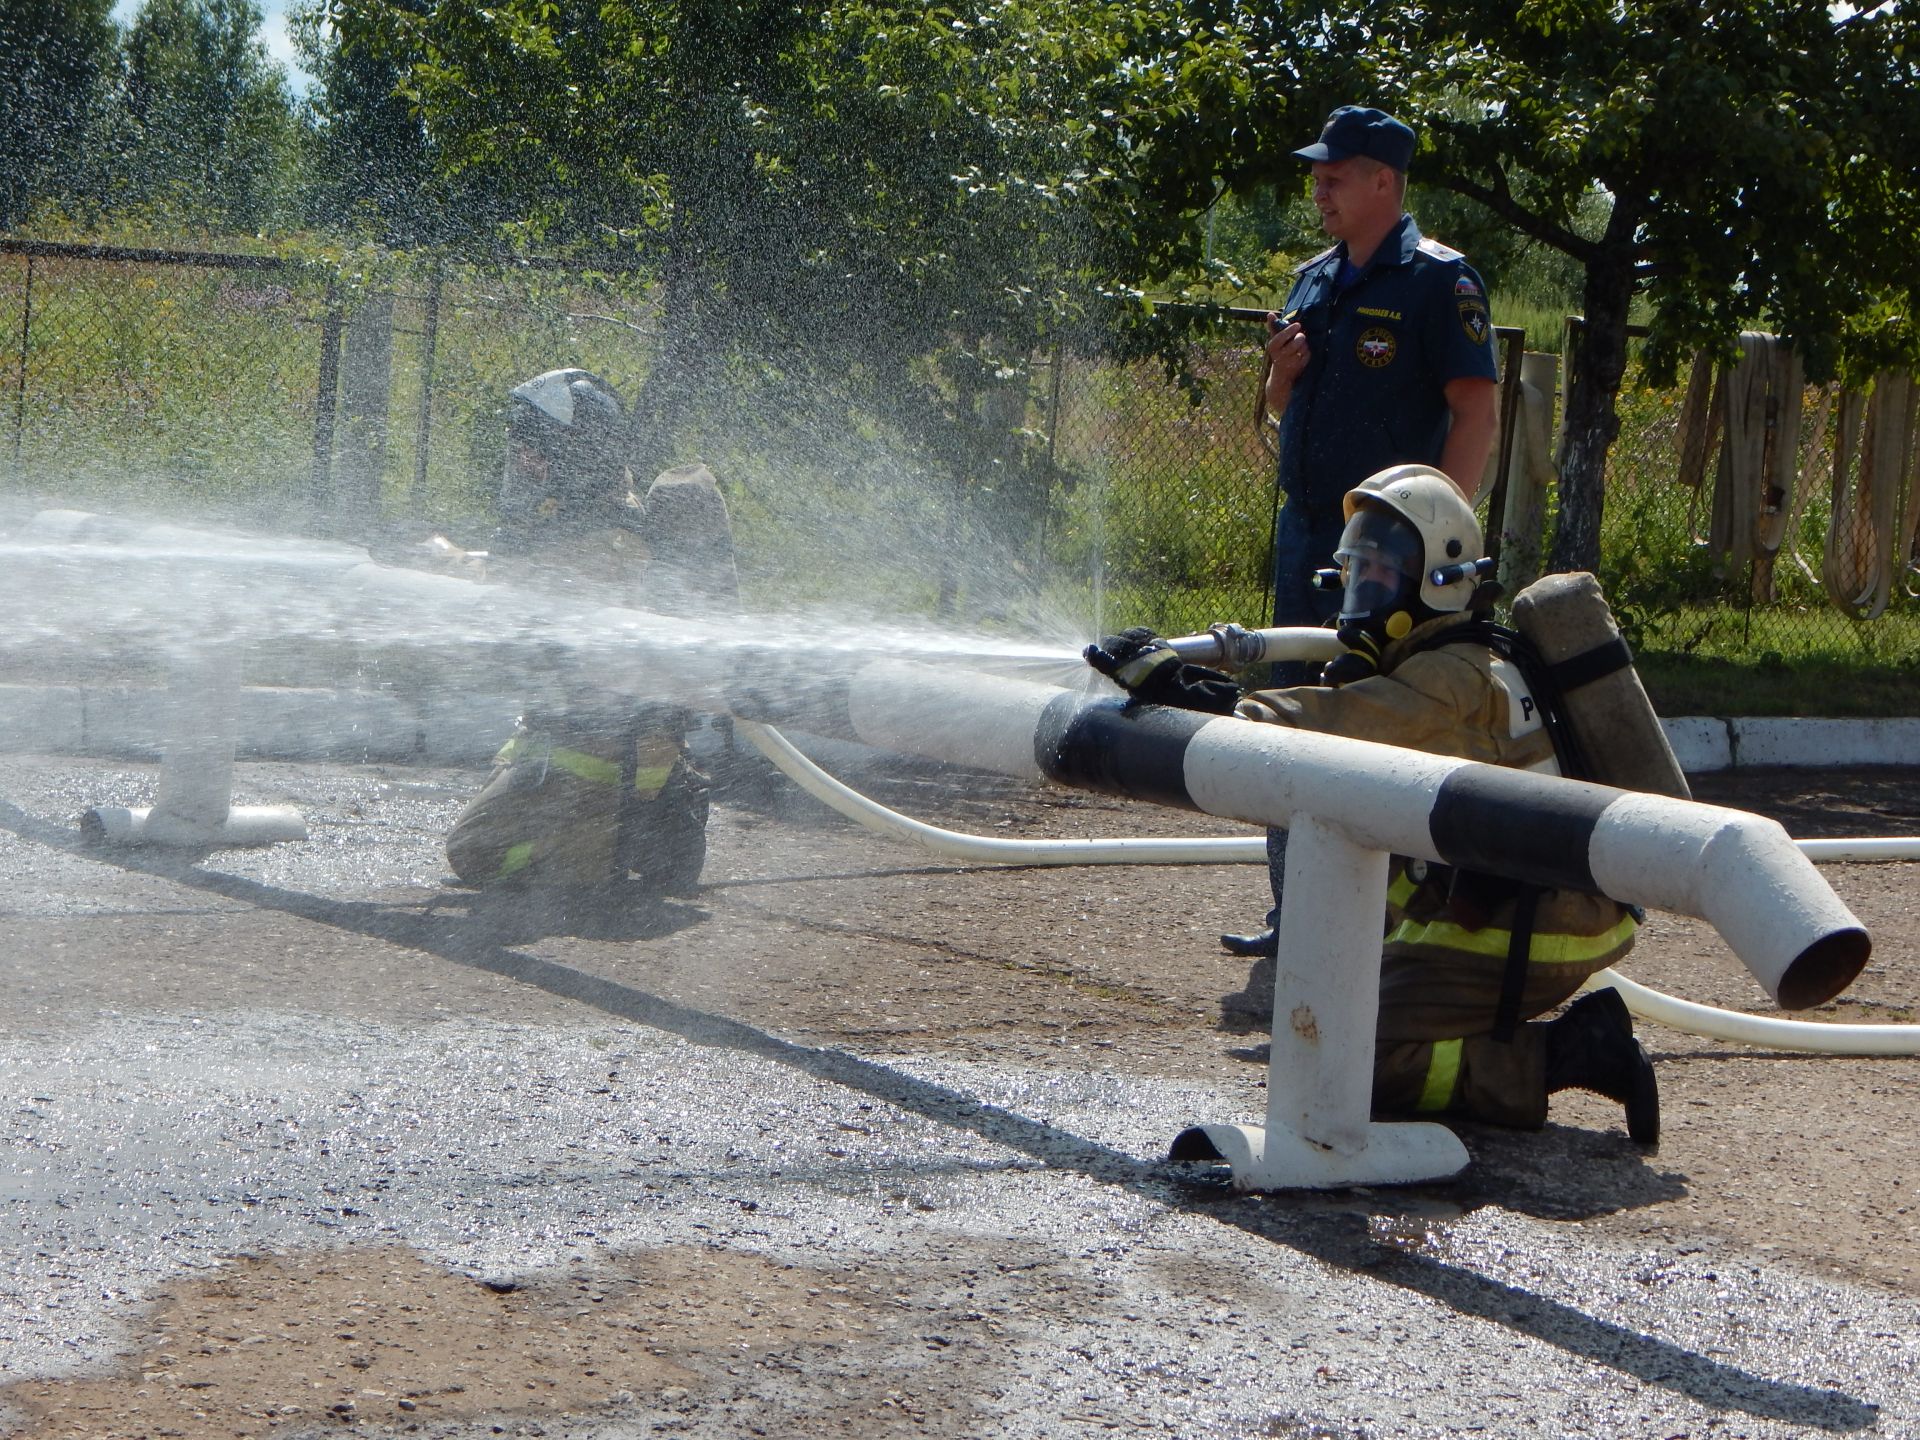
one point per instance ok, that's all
(1235, 647)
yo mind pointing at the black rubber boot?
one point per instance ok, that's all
(1260, 943)
(1591, 1047)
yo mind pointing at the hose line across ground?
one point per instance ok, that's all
(1683, 1015)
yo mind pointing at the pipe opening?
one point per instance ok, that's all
(1194, 1144)
(1825, 968)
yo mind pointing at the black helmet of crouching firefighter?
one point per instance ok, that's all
(565, 471)
(1469, 960)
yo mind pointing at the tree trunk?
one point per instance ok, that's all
(1598, 365)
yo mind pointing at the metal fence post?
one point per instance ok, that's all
(1515, 344)
(20, 391)
(325, 400)
(366, 388)
(424, 429)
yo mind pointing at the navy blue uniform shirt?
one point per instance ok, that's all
(1382, 351)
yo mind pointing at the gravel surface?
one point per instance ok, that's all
(302, 1141)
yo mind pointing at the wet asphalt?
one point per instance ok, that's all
(509, 1115)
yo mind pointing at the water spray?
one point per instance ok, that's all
(1349, 803)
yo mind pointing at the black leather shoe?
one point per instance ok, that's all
(1261, 944)
(1591, 1047)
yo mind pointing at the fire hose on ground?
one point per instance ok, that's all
(1684, 1015)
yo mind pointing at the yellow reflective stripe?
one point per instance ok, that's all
(591, 768)
(583, 766)
(517, 858)
(1443, 1076)
(1547, 948)
(1401, 890)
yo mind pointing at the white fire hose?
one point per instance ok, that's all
(1683, 1015)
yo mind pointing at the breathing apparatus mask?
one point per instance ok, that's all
(1380, 558)
(1410, 552)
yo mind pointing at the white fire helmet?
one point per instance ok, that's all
(1403, 524)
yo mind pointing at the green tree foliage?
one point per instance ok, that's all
(877, 201)
(1756, 156)
(370, 170)
(56, 67)
(205, 127)
(1752, 159)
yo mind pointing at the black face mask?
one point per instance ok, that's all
(1380, 558)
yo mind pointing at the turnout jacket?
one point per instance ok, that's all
(1457, 699)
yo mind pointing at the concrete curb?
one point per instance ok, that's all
(1704, 744)
(443, 729)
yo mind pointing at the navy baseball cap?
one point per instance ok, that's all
(1356, 130)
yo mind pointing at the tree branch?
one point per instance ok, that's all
(1501, 202)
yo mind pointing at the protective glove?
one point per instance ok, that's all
(1149, 670)
(1130, 657)
(1361, 660)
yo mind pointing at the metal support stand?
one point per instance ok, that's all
(1318, 1132)
(194, 807)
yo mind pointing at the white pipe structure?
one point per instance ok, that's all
(842, 798)
(193, 808)
(1350, 804)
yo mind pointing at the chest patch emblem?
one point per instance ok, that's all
(1376, 347)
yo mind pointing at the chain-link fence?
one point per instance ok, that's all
(372, 406)
(197, 380)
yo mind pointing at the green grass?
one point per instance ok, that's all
(1685, 685)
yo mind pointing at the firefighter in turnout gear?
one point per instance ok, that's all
(596, 796)
(1469, 960)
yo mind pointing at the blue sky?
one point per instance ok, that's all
(273, 31)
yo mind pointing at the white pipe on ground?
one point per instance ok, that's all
(1677, 1014)
(1769, 1031)
(194, 807)
(988, 849)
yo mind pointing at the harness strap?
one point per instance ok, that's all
(1590, 665)
(1513, 981)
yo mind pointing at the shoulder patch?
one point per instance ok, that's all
(1309, 264)
(1431, 246)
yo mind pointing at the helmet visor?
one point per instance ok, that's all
(1380, 562)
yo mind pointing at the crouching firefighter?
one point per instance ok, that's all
(1470, 960)
(596, 795)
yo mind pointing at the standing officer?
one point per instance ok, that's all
(1384, 357)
